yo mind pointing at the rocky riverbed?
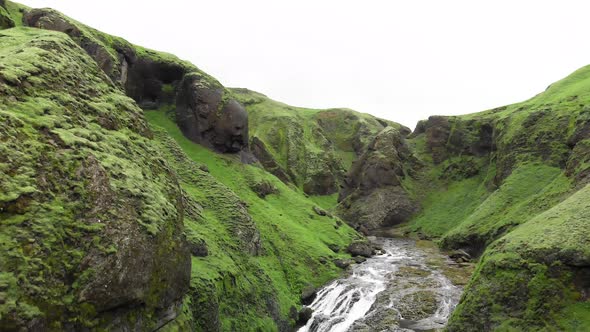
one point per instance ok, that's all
(409, 287)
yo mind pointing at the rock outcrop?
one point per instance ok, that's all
(204, 116)
(92, 217)
(313, 149)
(373, 195)
(204, 111)
(6, 20)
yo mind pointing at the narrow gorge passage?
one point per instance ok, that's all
(403, 289)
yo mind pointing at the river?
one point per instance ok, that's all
(403, 289)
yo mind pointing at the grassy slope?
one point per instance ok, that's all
(304, 141)
(228, 283)
(531, 212)
(293, 238)
(527, 279)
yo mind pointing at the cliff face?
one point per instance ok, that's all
(91, 216)
(312, 149)
(113, 218)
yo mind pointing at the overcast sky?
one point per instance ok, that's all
(400, 60)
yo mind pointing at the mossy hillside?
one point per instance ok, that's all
(535, 277)
(526, 145)
(488, 177)
(313, 147)
(11, 14)
(79, 174)
(132, 66)
(242, 291)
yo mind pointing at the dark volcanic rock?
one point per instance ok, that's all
(263, 188)
(308, 294)
(146, 79)
(319, 211)
(363, 249)
(260, 151)
(460, 256)
(199, 248)
(205, 118)
(304, 315)
(50, 19)
(372, 196)
(343, 263)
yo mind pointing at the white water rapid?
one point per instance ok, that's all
(396, 291)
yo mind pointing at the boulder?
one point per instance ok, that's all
(359, 259)
(263, 188)
(304, 315)
(206, 118)
(343, 263)
(363, 249)
(460, 256)
(319, 211)
(308, 294)
(199, 248)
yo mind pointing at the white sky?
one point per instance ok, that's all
(400, 60)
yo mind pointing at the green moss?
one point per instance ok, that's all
(66, 180)
(311, 146)
(293, 238)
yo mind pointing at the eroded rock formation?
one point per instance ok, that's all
(206, 118)
(373, 195)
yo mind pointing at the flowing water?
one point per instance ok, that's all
(400, 290)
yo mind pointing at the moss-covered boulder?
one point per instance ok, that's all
(91, 216)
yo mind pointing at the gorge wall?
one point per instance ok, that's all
(113, 218)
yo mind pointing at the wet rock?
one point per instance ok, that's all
(308, 294)
(343, 263)
(359, 259)
(363, 249)
(460, 256)
(303, 316)
(418, 305)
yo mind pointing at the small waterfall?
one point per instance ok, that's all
(384, 288)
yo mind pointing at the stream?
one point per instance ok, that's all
(403, 289)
